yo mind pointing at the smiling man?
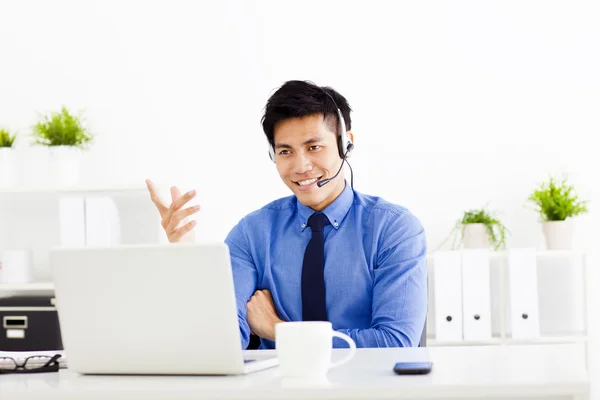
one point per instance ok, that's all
(327, 252)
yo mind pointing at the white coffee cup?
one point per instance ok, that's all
(304, 348)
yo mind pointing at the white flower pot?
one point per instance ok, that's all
(475, 236)
(558, 234)
(63, 165)
(8, 168)
(15, 266)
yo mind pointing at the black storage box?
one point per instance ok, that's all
(29, 323)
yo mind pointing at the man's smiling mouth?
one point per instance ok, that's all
(307, 181)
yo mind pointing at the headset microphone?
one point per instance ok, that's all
(326, 181)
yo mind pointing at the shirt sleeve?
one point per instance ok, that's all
(399, 288)
(244, 276)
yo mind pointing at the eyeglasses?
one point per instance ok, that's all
(30, 364)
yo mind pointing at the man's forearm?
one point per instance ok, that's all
(375, 337)
(244, 330)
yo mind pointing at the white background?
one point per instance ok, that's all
(456, 104)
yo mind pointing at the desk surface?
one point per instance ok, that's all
(490, 371)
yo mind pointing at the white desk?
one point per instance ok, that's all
(541, 371)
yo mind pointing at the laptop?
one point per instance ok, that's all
(150, 309)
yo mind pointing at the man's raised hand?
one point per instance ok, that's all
(174, 216)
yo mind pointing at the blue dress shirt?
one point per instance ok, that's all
(375, 267)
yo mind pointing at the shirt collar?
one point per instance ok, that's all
(335, 212)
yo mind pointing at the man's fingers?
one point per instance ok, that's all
(180, 202)
(179, 233)
(253, 299)
(161, 205)
(175, 193)
(179, 216)
(186, 212)
(152, 189)
(263, 292)
(260, 294)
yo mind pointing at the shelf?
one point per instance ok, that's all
(493, 341)
(80, 189)
(494, 255)
(510, 341)
(26, 287)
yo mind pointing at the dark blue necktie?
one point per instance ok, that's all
(313, 281)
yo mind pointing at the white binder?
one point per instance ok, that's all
(72, 221)
(523, 293)
(447, 296)
(102, 224)
(562, 297)
(477, 324)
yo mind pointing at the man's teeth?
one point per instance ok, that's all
(308, 182)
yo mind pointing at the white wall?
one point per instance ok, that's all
(456, 104)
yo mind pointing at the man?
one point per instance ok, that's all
(327, 252)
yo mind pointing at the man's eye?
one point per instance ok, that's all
(284, 152)
(315, 147)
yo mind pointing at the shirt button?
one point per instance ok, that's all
(303, 225)
(335, 224)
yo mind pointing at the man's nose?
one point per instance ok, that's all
(302, 164)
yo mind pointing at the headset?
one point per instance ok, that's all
(344, 143)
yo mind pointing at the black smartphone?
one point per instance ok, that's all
(413, 368)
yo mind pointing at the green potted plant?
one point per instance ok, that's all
(556, 202)
(478, 228)
(8, 168)
(65, 136)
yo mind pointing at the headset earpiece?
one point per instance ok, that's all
(344, 143)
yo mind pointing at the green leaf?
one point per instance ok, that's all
(557, 201)
(6, 139)
(61, 129)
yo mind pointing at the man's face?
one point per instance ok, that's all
(306, 151)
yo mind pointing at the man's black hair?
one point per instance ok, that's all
(296, 99)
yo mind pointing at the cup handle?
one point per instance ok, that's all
(348, 340)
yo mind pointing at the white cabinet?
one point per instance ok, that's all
(559, 290)
(36, 219)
